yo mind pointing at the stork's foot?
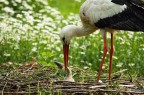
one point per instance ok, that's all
(99, 81)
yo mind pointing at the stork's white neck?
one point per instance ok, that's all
(78, 31)
(75, 31)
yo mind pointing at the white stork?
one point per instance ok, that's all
(108, 16)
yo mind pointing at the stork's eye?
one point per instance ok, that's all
(63, 39)
(83, 13)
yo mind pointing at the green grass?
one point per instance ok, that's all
(66, 6)
(34, 33)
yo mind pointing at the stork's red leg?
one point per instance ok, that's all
(104, 55)
(111, 54)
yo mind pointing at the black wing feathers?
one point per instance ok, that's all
(130, 25)
(131, 19)
(139, 3)
(128, 2)
(120, 2)
(125, 15)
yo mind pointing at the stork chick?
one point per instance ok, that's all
(69, 72)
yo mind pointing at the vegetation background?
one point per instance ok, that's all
(30, 28)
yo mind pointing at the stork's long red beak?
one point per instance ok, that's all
(66, 53)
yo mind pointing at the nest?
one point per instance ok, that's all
(34, 79)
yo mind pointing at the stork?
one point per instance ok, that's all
(108, 16)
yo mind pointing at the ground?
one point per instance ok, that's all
(33, 78)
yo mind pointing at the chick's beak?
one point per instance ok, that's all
(66, 53)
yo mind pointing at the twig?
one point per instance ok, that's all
(29, 68)
(34, 62)
(121, 71)
(4, 88)
(17, 89)
(23, 93)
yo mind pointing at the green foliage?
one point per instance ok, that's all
(31, 28)
(66, 6)
(28, 31)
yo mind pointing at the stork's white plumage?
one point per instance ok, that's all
(108, 16)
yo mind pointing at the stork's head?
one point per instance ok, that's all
(65, 36)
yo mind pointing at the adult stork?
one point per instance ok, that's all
(108, 16)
